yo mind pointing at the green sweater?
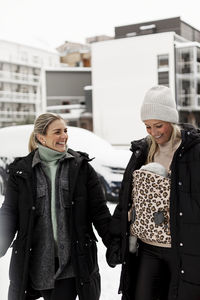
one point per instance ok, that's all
(50, 161)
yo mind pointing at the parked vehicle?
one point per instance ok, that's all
(108, 162)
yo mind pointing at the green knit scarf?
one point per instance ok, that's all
(50, 161)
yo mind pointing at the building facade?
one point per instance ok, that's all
(21, 81)
(187, 59)
(188, 81)
(176, 25)
(141, 56)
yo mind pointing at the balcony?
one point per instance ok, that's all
(189, 102)
(15, 97)
(19, 78)
(16, 116)
(69, 111)
(185, 67)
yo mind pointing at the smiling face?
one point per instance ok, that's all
(161, 131)
(56, 136)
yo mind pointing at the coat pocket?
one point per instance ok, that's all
(40, 200)
(87, 258)
(65, 195)
(190, 270)
(17, 261)
(91, 290)
(91, 253)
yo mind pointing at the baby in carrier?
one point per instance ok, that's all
(159, 215)
(155, 168)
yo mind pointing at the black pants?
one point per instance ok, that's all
(155, 273)
(155, 276)
(65, 289)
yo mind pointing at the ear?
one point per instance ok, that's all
(41, 138)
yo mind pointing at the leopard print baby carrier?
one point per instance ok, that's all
(150, 210)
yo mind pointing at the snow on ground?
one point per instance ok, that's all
(109, 276)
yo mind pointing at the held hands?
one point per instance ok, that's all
(113, 253)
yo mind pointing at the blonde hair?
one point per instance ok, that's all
(176, 134)
(40, 127)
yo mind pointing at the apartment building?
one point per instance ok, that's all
(142, 55)
(187, 62)
(21, 81)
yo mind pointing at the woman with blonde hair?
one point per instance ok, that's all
(156, 225)
(52, 201)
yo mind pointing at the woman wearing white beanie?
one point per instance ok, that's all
(156, 225)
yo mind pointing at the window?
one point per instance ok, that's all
(163, 78)
(35, 59)
(148, 29)
(24, 56)
(163, 69)
(130, 34)
(163, 61)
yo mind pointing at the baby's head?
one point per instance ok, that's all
(155, 168)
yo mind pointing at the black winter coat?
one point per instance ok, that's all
(86, 205)
(184, 216)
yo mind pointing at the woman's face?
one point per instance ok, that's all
(56, 136)
(161, 131)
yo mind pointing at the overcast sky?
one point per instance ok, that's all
(55, 21)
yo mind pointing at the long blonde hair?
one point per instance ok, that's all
(40, 127)
(176, 134)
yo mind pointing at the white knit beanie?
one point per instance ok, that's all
(159, 104)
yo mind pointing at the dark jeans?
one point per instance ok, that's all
(155, 273)
(65, 289)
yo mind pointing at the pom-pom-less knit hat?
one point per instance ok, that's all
(159, 104)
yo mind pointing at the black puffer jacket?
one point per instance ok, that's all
(86, 205)
(184, 215)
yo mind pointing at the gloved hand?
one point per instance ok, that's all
(113, 253)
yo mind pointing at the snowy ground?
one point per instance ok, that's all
(109, 276)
